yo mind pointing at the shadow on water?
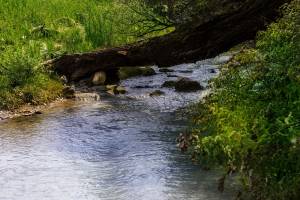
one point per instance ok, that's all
(117, 149)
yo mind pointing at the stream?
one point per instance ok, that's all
(119, 148)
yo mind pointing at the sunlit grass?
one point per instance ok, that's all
(32, 31)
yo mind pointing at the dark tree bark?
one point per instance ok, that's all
(187, 44)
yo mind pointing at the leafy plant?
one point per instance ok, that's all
(251, 122)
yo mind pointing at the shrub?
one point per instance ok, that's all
(251, 122)
(23, 80)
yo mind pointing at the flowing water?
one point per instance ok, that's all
(119, 148)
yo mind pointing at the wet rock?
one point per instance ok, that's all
(212, 71)
(87, 96)
(143, 86)
(186, 71)
(148, 71)
(165, 70)
(69, 92)
(156, 93)
(172, 75)
(169, 84)
(115, 89)
(128, 72)
(111, 92)
(38, 112)
(99, 78)
(110, 87)
(121, 90)
(187, 85)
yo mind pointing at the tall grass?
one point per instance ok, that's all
(35, 30)
(84, 24)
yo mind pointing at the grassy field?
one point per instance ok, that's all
(32, 31)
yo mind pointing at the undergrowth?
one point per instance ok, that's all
(251, 122)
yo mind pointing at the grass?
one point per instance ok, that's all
(32, 31)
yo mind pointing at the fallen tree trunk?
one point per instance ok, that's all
(187, 44)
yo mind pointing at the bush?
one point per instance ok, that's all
(23, 80)
(251, 122)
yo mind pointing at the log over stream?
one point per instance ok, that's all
(188, 43)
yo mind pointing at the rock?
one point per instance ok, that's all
(187, 85)
(165, 70)
(63, 79)
(38, 112)
(213, 71)
(111, 92)
(121, 90)
(169, 84)
(128, 72)
(87, 96)
(143, 86)
(148, 71)
(99, 78)
(69, 92)
(186, 71)
(115, 89)
(156, 93)
(111, 87)
(172, 75)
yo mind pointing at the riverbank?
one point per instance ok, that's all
(250, 123)
(28, 110)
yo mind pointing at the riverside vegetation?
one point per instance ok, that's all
(251, 122)
(33, 31)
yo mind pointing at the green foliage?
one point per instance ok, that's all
(23, 80)
(32, 31)
(251, 122)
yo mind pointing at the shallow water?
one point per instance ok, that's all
(120, 148)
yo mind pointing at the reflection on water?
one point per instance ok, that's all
(121, 148)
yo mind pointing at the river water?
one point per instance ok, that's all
(119, 148)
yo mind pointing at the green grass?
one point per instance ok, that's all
(251, 122)
(68, 25)
(32, 31)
